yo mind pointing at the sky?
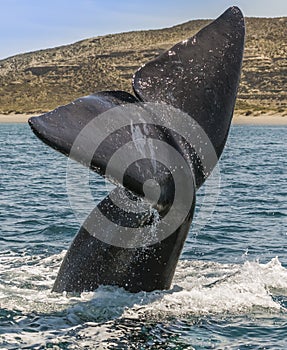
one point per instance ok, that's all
(29, 25)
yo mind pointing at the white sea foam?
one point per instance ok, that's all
(199, 288)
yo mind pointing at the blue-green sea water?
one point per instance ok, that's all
(230, 286)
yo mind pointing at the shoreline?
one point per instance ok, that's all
(270, 119)
(238, 119)
(14, 118)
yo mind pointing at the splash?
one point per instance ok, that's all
(33, 316)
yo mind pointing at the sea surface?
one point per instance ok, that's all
(230, 286)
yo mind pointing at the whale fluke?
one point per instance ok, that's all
(157, 147)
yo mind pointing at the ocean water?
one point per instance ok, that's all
(230, 286)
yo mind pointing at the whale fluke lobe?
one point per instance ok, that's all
(200, 75)
(157, 148)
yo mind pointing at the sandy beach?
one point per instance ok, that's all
(14, 118)
(263, 119)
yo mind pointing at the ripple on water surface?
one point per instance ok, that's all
(230, 288)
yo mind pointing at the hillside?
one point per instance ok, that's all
(39, 81)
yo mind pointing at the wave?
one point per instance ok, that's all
(199, 287)
(30, 314)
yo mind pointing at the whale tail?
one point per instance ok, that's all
(157, 147)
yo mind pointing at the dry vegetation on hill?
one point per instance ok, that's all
(39, 81)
